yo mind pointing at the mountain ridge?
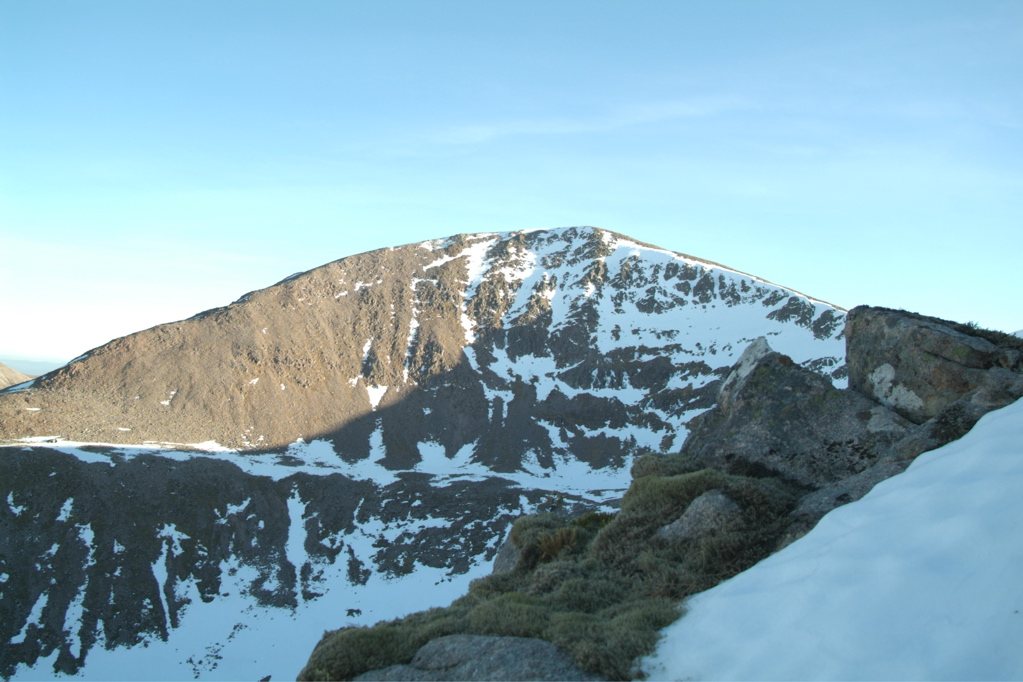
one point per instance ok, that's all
(293, 361)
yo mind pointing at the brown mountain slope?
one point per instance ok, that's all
(10, 377)
(522, 345)
(274, 365)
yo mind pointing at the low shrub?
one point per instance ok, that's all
(552, 544)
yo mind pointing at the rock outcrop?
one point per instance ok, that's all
(915, 383)
(775, 418)
(710, 512)
(919, 366)
(474, 657)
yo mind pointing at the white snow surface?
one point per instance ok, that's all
(376, 394)
(317, 457)
(919, 580)
(232, 637)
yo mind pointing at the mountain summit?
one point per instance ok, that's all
(517, 346)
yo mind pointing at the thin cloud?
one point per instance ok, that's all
(653, 112)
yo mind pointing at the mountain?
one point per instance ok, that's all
(529, 342)
(360, 435)
(11, 377)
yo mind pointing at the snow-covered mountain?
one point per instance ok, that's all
(919, 580)
(516, 346)
(365, 433)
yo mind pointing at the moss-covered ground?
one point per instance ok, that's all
(599, 586)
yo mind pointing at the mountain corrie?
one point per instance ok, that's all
(361, 437)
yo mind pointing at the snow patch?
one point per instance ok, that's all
(18, 388)
(376, 394)
(16, 509)
(65, 510)
(35, 618)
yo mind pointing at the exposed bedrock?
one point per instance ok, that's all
(919, 366)
(475, 657)
(775, 418)
(916, 383)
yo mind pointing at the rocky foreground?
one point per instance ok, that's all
(781, 448)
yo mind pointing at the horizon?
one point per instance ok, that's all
(162, 161)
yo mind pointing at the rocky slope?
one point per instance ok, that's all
(518, 346)
(781, 448)
(11, 377)
(390, 414)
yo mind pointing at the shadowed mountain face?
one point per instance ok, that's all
(521, 346)
(389, 414)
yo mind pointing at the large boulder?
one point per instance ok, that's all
(473, 657)
(776, 418)
(918, 366)
(711, 511)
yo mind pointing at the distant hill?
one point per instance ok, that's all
(10, 377)
(32, 367)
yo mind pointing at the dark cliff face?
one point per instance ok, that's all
(116, 551)
(441, 389)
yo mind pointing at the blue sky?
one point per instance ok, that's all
(158, 159)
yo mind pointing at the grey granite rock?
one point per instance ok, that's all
(508, 556)
(713, 510)
(473, 657)
(775, 418)
(918, 365)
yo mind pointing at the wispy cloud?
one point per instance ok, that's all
(652, 112)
